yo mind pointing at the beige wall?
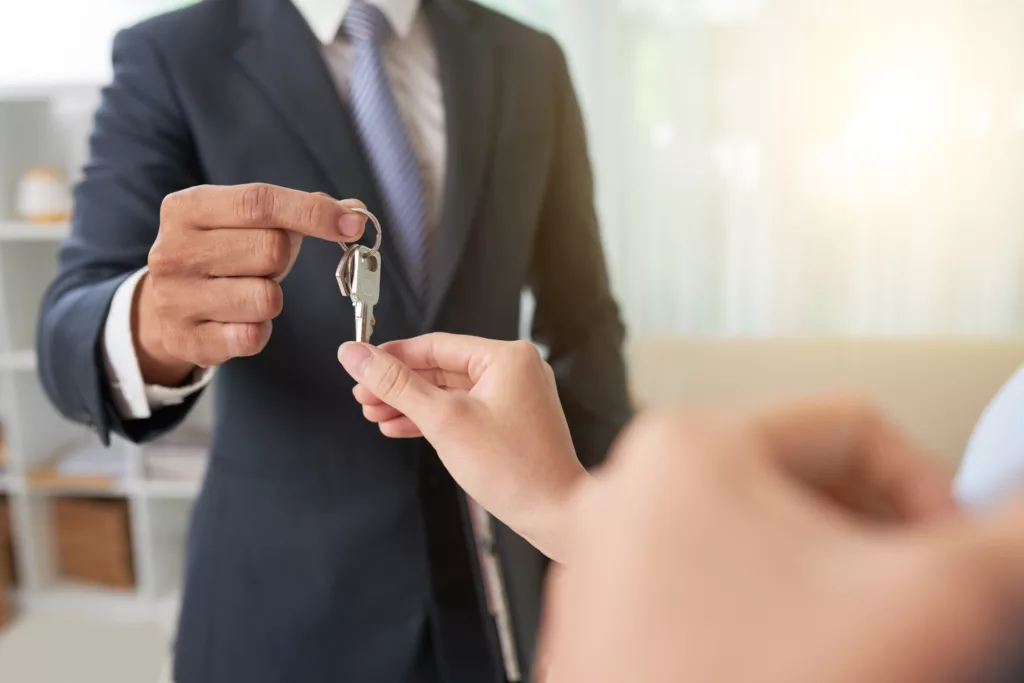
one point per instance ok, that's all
(934, 389)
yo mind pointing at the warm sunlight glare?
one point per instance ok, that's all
(899, 116)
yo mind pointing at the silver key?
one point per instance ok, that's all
(358, 277)
(364, 290)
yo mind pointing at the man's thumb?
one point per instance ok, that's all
(392, 381)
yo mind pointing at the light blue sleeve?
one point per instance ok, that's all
(993, 465)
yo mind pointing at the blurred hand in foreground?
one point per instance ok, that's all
(733, 549)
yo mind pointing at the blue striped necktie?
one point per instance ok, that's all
(394, 163)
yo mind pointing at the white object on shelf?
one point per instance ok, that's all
(24, 231)
(43, 195)
(24, 360)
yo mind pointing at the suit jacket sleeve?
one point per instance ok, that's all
(576, 316)
(140, 151)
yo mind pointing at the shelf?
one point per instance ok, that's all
(24, 231)
(68, 597)
(46, 481)
(11, 484)
(170, 490)
(44, 92)
(24, 360)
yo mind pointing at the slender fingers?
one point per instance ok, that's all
(400, 428)
(442, 379)
(457, 353)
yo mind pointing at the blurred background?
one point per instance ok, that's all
(795, 196)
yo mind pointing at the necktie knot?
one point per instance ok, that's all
(365, 23)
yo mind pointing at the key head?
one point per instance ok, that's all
(364, 287)
(344, 273)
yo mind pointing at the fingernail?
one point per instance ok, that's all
(354, 358)
(351, 223)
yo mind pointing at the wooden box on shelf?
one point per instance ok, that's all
(93, 541)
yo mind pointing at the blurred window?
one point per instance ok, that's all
(763, 166)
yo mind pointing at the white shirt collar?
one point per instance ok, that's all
(325, 16)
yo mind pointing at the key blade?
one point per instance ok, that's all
(364, 322)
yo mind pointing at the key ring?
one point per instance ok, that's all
(376, 224)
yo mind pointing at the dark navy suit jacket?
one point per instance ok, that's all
(319, 550)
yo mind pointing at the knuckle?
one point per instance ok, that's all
(267, 299)
(172, 205)
(313, 211)
(165, 258)
(275, 250)
(524, 352)
(255, 203)
(160, 258)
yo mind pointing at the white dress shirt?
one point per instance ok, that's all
(992, 470)
(411, 65)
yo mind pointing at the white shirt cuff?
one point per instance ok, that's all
(133, 398)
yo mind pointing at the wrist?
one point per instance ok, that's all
(552, 533)
(157, 365)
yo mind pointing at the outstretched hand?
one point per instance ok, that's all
(491, 411)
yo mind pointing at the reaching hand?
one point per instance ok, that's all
(491, 411)
(748, 548)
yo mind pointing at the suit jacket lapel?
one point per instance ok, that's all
(281, 55)
(468, 70)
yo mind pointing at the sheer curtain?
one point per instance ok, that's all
(800, 167)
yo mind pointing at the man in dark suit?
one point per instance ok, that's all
(320, 550)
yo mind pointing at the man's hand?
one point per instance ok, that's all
(215, 268)
(491, 411)
(745, 548)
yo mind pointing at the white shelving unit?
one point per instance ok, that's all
(22, 231)
(49, 126)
